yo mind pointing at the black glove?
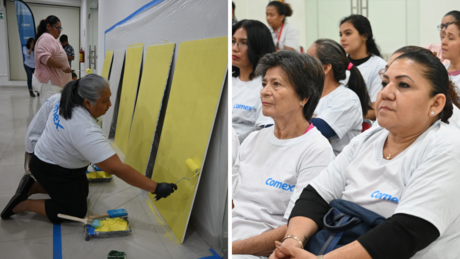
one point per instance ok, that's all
(163, 190)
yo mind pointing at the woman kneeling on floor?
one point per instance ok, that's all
(70, 141)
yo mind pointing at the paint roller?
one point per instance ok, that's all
(88, 70)
(92, 220)
(192, 166)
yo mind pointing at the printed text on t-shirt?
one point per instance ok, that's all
(384, 196)
(280, 185)
(243, 107)
(56, 117)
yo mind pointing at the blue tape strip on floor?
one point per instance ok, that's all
(57, 243)
(214, 256)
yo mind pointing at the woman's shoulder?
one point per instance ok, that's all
(377, 60)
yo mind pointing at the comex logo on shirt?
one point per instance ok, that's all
(384, 196)
(280, 185)
(243, 107)
(56, 117)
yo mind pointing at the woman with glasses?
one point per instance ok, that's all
(358, 41)
(449, 18)
(251, 40)
(451, 51)
(52, 71)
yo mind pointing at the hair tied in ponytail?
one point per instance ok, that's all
(350, 65)
(75, 85)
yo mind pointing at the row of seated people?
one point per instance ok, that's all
(286, 175)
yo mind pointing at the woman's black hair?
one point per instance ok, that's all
(282, 8)
(305, 73)
(74, 93)
(29, 41)
(455, 14)
(363, 26)
(41, 28)
(259, 41)
(436, 74)
(330, 52)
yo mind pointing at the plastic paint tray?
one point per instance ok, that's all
(90, 231)
(100, 179)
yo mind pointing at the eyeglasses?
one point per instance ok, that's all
(59, 28)
(443, 26)
(240, 44)
(381, 72)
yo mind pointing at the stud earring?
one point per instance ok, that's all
(432, 112)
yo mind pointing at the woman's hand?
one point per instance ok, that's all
(286, 250)
(67, 69)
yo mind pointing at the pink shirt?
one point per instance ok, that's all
(438, 49)
(47, 46)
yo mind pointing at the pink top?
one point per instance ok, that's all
(309, 127)
(438, 49)
(45, 47)
(454, 73)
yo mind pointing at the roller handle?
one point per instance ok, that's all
(63, 216)
(99, 216)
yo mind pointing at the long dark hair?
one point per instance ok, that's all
(330, 52)
(41, 28)
(29, 41)
(454, 13)
(74, 93)
(305, 73)
(363, 26)
(260, 42)
(282, 8)
(435, 72)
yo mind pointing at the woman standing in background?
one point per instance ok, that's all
(29, 63)
(285, 35)
(358, 41)
(52, 67)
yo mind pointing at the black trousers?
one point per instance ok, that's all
(68, 189)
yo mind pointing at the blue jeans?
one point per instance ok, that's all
(29, 71)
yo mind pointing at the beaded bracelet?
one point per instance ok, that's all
(294, 237)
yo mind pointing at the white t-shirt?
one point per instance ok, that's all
(289, 37)
(454, 79)
(370, 72)
(73, 143)
(38, 123)
(271, 173)
(341, 110)
(247, 107)
(235, 145)
(421, 181)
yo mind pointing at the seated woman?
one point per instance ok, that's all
(66, 145)
(413, 157)
(451, 46)
(340, 111)
(251, 40)
(274, 164)
(447, 19)
(357, 39)
(455, 118)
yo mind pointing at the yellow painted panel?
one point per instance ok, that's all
(128, 96)
(195, 92)
(155, 74)
(107, 64)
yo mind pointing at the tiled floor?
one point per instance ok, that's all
(29, 235)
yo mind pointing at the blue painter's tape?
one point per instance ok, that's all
(57, 242)
(213, 256)
(140, 10)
